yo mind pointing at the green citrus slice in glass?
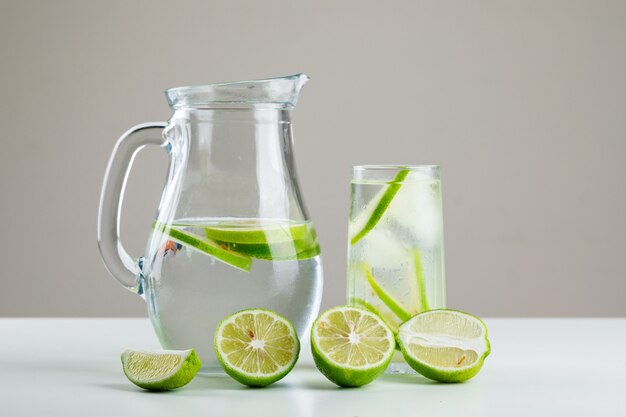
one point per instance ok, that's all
(351, 346)
(381, 206)
(445, 345)
(256, 347)
(160, 370)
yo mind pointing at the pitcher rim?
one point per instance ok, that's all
(258, 93)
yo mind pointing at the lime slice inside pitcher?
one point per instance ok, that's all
(275, 240)
(257, 231)
(206, 246)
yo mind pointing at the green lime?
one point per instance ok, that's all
(445, 345)
(381, 206)
(204, 245)
(258, 231)
(263, 240)
(297, 249)
(351, 346)
(256, 347)
(160, 370)
(389, 321)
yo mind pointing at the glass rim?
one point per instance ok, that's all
(276, 92)
(395, 167)
(387, 173)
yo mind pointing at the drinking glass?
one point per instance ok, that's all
(395, 245)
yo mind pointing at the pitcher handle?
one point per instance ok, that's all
(118, 262)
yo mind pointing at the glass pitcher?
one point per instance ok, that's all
(231, 231)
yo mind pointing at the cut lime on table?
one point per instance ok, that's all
(160, 370)
(445, 345)
(351, 346)
(256, 347)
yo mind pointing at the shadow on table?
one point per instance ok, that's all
(407, 379)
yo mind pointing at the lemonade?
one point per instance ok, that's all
(206, 269)
(395, 248)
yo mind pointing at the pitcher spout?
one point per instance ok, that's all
(271, 92)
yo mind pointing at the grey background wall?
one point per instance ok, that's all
(523, 104)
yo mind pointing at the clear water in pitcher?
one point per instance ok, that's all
(206, 269)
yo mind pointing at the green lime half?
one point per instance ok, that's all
(445, 345)
(351, 346)
(160, 370)
(256, 347)
(383, 203)
(206, 246)
(389, 321)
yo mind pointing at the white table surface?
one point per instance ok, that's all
(538, 367)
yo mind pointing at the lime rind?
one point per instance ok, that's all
(478, 346)
(146, 361)
(288, 250)
(422, 297)
(256, 379)
(258, 232)
(383, 203)
(343, 374)
(385, 296)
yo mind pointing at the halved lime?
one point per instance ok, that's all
(381, 206)
(206, 246)
(256, 347)
(351, 346)
(160, 370)
(445, 345)
(389, 321)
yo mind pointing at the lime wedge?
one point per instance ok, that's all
(160, 370)
(258, 231)
(351, 346)
(445, 345)
(206, 246)
(383, 203)
(256, 347)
